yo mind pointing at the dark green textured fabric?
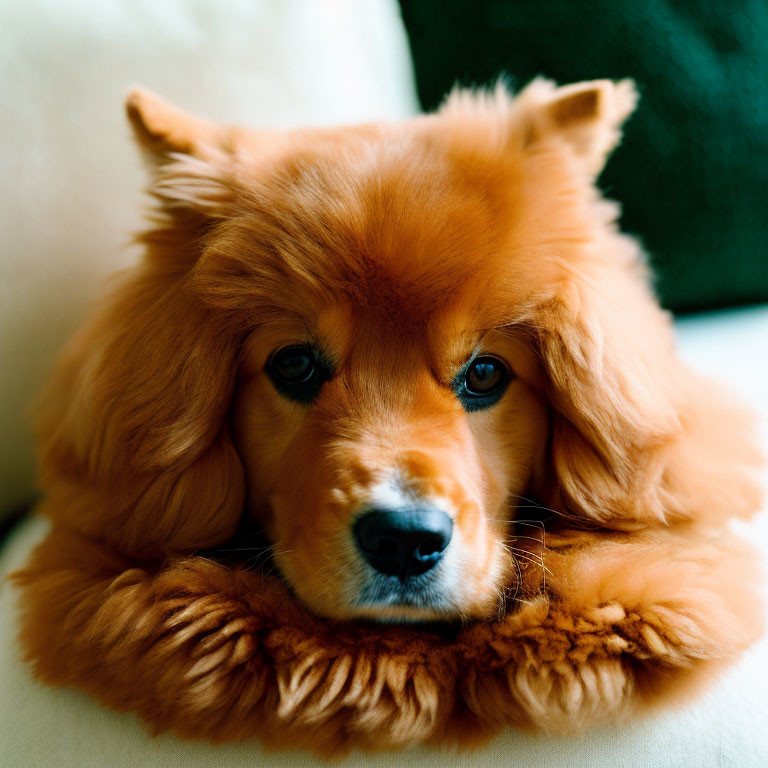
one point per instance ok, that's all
(692, 171)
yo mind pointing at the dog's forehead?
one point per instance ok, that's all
(396, 226)
(401, 228)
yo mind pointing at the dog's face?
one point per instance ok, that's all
(389, 412)
(386, 413)
(397, 431)
(374, 341)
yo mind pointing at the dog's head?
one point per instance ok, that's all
(374, 341)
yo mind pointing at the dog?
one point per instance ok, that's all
(388, 347)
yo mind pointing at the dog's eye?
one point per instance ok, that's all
(484, 375)
(294, 365)
(482, 383)
(297, 372)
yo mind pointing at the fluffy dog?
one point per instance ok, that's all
(424, 361)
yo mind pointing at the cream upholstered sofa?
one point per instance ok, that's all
(70, 200)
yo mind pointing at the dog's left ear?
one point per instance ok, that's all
(587, 116)
(637, 439)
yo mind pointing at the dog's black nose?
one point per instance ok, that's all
(403, 542)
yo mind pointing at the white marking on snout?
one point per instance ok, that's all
(391, 493)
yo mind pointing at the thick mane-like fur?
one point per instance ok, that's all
(485, 210)
(136, 448)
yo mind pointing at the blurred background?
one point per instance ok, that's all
(691, 173)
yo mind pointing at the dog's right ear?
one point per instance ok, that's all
(162, 129)
(190, 159)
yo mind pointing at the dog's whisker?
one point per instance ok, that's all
(533, 504)
(244, 549)
(522, 551)
(538, 561)
(534, 560)
(575, 522)
(260, 558)
(531, 523)
(253, 561)
(519, 580)
(543, 567)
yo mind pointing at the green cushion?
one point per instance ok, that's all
(692, 172)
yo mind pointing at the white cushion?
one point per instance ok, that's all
(43, 727)
(70, 178)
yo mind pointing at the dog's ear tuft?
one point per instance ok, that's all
(588, 116)
(161, 129)
(189, 158)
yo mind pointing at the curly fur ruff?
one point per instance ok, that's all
(639, 592)
(221, 653)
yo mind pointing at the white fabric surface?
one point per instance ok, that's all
(45, 728)
(70, 178)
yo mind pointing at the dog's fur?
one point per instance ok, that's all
(400, 250)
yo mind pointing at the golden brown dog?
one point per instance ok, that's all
(380, 343)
